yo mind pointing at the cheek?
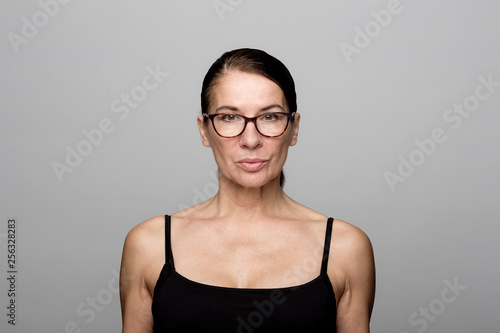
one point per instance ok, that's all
(283, 147)
(221, 150)
(286, 142)
(282, 151)
(214, 139)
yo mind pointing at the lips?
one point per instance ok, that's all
(252, 164)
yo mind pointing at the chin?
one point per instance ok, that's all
(255, 181)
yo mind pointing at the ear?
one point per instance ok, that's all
(295, 129)
(203, 127)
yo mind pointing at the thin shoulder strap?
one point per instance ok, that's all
(326, 250)
(168, 247)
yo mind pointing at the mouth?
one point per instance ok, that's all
(252, 164)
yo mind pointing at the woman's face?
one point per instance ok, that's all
(250, 159)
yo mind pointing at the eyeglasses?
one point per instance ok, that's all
(230, 125)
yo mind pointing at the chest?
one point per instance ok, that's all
(256, 263)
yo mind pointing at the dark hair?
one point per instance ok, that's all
(250, 61)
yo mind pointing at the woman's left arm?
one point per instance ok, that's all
(356, 302)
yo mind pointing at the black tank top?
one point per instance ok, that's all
(183, 305)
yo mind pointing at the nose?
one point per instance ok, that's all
(250, 137)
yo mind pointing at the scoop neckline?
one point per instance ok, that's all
(288, 288)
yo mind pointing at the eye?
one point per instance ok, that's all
(269, 117)
(228, 117)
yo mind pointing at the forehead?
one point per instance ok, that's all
(246, 92)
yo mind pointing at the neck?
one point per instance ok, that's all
(233, 200)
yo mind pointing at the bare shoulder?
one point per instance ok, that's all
(352, 271)
(141, 263)
(143, 253)
(304, 213)
(350, 238)
(145, 233)
(351, 250)
(145, 241)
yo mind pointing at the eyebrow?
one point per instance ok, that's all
(233, 108)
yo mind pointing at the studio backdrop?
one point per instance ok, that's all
(399, 135)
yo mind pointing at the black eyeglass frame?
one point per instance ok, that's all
(252, 119)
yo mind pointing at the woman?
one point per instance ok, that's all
(250, 259)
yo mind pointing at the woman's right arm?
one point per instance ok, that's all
(135, 297)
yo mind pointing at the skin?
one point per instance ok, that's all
(250, 234)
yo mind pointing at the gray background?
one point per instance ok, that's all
(360, 113)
